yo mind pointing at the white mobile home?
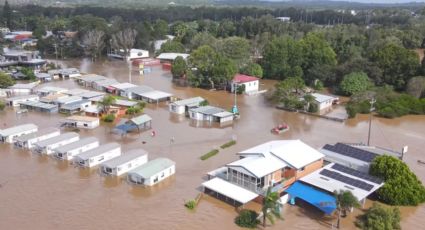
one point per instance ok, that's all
(98, 155)
(152, 172)
(28, 141)
(68, 151)
(324, 101)
(10, 134)
(47, 146)
(211, 113)
(183, 106)
(124, 163)
(50, 90)
(16, 101)
(81, 122)
(22, 89)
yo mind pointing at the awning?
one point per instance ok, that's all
(230, 190)
(320, 199)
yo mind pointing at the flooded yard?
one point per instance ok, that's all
(42, 193)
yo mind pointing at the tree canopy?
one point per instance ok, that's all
(5, 80)
(380, 218)
(355, 82)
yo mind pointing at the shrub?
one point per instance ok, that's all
(240, 89)
(209, 154)
(354, 83)
(204, 103)
(379, 217)
(191, 204)
(401, 187)
(109, 118)
(2, 105)
(247, 219)
(228, 144)
(313, 108)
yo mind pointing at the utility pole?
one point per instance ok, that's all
(372, 108)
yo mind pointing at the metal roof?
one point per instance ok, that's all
(322, 97)
(40, 133)
(76, 91)
(224, 114)
(208, 110)
(172, 56)
(189, 101)
(38, 104)
(127, 103)
(99, 150)
(350, 151)
(91, 94)
(259, 166)
(21, 97)
(82, 118)
(155, 95)
(75, 105)
(139, 89)
(52, 89)
(56, 139)
(106, 82)
(65, 100)
(152, 167)
(129, 156)
(123, 86)
(77, 144)
(141, 119)
(17, 129)
(232, 191)
(42, 75)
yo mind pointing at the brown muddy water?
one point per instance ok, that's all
(42, 193)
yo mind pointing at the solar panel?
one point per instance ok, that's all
(356, 173)
(345, 179)
(352, 152)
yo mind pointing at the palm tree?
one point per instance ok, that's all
(106, 102)
(270, 207)
(345, 200)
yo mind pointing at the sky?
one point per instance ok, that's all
(367, 1)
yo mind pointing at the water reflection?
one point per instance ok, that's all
(140, 191)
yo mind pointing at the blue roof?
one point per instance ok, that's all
(125, 128)
(320, 199)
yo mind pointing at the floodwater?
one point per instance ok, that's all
(42, 193)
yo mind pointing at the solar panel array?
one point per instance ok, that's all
(352, 152)
(345, 179)
(356, 173)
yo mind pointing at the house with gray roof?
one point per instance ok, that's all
(124, 163)
(8, 135)
(211, 114)
(68, 151)
(152, 172)
(96, 156)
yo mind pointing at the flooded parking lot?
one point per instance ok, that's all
(43, 193)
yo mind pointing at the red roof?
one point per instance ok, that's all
(242, 78)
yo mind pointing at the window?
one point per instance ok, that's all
(302, 169)
(155, 180)
(162, 174)
(119, 169)
(86, 125)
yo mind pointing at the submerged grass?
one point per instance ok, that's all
(209, 154)
(228, 144)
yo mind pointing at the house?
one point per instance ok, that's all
(356, 156)
(66, 100)
(83, 122)
(93, 111)
(324, 101)
(124, 103)
(183, 106)
(76, 92)
(124, 163)
(155, 96)
(74, 107)
(69, 73)
(250, 83)
(152, 172)
(211, 114)
(283, 19)
(27, 141)
(91, 94)
(119, 89)
(141, 122)
(68, 151)
(52, 98)
(158, 43)
(170, 57)
(132, 54)
(96, 156)
(22, 89)
(274, 164)
(39, 106)
(136, 92)
(16, 101)
(47, 146)
(43, 77)
(89, 79)
(22, 58)
(51, 90)
(102, 85)
(8, 135)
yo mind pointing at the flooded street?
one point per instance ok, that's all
(42, 193)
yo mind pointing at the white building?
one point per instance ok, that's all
(124, 163)
(211, 114)
(119, 89)
(27, 141)
(133, 54)
(284, 19)
(47, 146)
(250, 83)
(183, 106)
(68, 151)
(22, 89)
(152, 172)
(16, 101)
(81, 122)
(169, 57)
(324, 101)
(51, 90)
(10, 134)
(98, 155)
(66, 100)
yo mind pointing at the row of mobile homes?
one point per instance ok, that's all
(74, 107)
(125, 163)
(104, 84)
(211, 114)
(119, 89)
(152, 172)
(183, 106)
(10, 134)
(50, 90)
(68, 151)
(84, 122)
(136, 93)
(27, 141)
(39, 106)
(66, 100)
(89, 79)
(16, 101)
(96, 156)
(47, 146)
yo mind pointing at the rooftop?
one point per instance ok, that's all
(242, 78)
(38, 104)
(189, 101)
(21, 97)
(91, 94)
(82, 118)
(75, 105)
(99, 150)
(106, 82)
(155, 95)
(17, 129)
(51, 89)
(123, 86)
(171, 56)
(209, 110)
(259, 166)
(76, 144)
(92, 78)
(65, 100)
(42, 132)
(350, 151)
(127, 157)
(232, 191)
(125, 103)
(141, 119)
(139, 89)
(24, 86)
(56, 139)
(153, 167)
(322, 97)
(77, 91)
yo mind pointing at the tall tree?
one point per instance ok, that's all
(106, 103)
(5, 80)
(271, 207)
(124, 40)
(94, 43)
(179, 67)
(345, 200)
(7, 13)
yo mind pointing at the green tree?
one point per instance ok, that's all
(416, 87)
(203, 38)
(160, 29)
(179, 67)
(29, 73)
(252, 69)
(345, 200)
(354, 83)
(380, 218)
(289, 91)
(223, 70)
(106, 103)
(247, 219)
(7, 14)
(401, 187)
(172, 46)
(203, 58)
(2, 105)
(5, 80)
(235, 48)
(271, 207)
(283, 58)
